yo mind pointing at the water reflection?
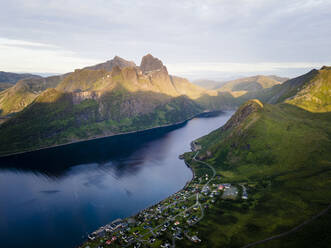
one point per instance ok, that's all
(51, 198)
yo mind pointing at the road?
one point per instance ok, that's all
(171, 218)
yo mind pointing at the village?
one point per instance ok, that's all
(172, 219)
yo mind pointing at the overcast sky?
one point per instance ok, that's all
(194, 38)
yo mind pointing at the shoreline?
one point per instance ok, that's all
(151, 206)
(112, 135)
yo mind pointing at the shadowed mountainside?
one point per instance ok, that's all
(89, 103)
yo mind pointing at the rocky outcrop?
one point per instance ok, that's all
(78, 97)
(242, 113)
(150, 63)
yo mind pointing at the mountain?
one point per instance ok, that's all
(209, 84)
(8, 79)
(150, 63)
(281, 153)
(90, 103)
(24, 92)
(249, 84)
(310, 91)
(108, 65)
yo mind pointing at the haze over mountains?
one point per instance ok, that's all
(114, 97)
(8, 79)
(252, 83)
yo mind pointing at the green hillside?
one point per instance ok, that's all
(281, 153)
(17, 97)
(315, 95)
(310, 91)
(95, 102)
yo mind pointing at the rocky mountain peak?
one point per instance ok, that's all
(150, 63)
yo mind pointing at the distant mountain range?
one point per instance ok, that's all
(8, 79)
(110, 98)
(246, 84)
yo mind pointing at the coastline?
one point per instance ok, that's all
(112, 135)
(159, 202)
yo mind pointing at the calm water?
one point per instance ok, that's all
(54, 197)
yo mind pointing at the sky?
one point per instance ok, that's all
(212, 39)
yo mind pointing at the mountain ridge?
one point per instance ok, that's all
(278, 153)
(95, 102)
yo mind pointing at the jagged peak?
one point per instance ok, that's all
(150, 63)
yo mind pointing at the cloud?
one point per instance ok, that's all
(179, 32)
(25, 56)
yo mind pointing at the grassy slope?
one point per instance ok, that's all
(15, 98)
(310, 91)
(315, 96)
(24, 92)
(282, 152)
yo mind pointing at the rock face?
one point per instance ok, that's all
(108, 65)
(150, 63)
(242, 113)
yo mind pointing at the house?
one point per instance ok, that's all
(227, 185)
(195, 239)
(220, 187)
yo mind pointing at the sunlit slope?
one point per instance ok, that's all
(254, 83)
(311, 91)
(17, 97)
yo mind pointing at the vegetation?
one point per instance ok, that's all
(53, 118)
(281, 153)
(95, 102)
